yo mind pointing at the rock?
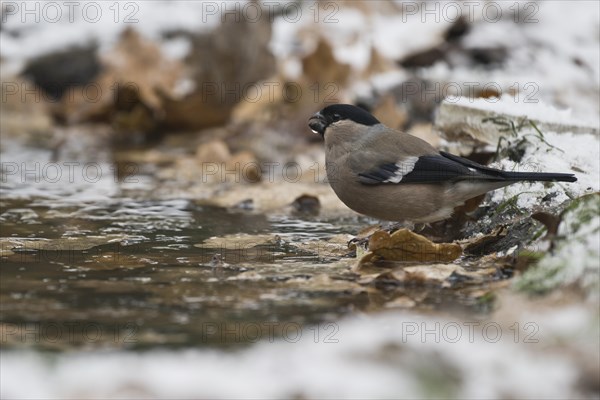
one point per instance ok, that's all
(59, 71)
(458, 29)
(425, 58)
(307, 204)
(488, 56)
(237, 241)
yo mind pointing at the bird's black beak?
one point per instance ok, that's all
(317, 123)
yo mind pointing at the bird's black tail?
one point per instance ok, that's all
(538, 176)
(479, 171)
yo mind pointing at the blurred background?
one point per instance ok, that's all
(167, 223)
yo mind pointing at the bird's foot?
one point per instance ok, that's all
(357, 242)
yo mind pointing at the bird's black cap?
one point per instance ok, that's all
(337, 112)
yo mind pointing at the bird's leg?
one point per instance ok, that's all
(420, 227)
(394, 226)
(357, 242)
(416, 227)
(362, 237)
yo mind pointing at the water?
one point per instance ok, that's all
(95, 261)
(148, 280)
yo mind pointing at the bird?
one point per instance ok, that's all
(393, 176)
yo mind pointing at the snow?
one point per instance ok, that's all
(541, 158)
(510, 105)
(485, 362)
(562, 152)
(574, 258)
(543, 56)
(42, 30)
(398, 36)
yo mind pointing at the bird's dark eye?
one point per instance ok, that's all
(336, 117)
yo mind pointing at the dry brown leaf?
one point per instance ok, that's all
(389, 114)
(406, 246)
(263, 107)
(268, 197)
(238, 241)
(401, 302)
(321, 66)
(215, 151)
(378, 63)
(431, 272)
(223, 64)
(24, 114)
(139, 61)
(218, 165)
(62, 244)
(247, 163)
(324, 282)
(424, 131)
(130, 91)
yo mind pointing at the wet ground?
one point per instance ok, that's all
(91, 259)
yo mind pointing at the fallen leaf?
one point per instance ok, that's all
(238, 241)
(431, 272)
(425, 131)
(406, 246)
(401, 302)
(223, 64)
(139, 78)
(215, 151)
(63, 244)
(321, 66)
(27, 116)
(388, 112)
(269, 197)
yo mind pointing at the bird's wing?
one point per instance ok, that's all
(430, 168)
